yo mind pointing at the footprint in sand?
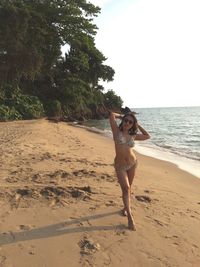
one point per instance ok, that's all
(108, 177)
(37, 178)
(12, 179)
(88, 246)
(24, 193)
(111, 203)
(81, 192)
(46, 156)
(65, 160)
(169, 236)
(92, 208)
(2, 260)
(83, 173)
(87, 189)
(96, 164)
(176, 244)
(50, 195)
(58, 174)
(25, 227)
(52, 177)
(143, 198)
(121, 230)
(160, 223)
(147, 191)
(64, 174)
(51, 192)
(31, 250)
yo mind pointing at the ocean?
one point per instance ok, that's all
(175, 135)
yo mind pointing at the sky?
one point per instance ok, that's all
(154, 48)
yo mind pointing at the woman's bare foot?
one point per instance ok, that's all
(124, 212)
(131, 223)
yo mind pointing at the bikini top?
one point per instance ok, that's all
(121, 140)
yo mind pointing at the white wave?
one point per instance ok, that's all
(189, 165)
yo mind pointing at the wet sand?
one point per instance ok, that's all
(60, 203)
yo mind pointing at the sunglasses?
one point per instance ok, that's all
(128, 121)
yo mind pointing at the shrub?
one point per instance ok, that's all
(54, 108)
(15, 105)
(29, 107)
(7, 113)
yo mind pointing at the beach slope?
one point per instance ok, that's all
(60, 203)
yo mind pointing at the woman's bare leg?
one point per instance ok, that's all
(131, 175)
(125, 187)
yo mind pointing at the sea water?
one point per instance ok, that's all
(175, 135)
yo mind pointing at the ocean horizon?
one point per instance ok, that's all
(175, 135)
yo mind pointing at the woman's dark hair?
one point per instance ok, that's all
(133, 130)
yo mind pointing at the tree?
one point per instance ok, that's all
(33, 31)
(112, 101)
(30, 54)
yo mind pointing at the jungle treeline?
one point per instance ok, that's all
(36, 80)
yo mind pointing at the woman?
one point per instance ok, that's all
(125, 160)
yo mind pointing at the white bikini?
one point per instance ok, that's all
(121, 140)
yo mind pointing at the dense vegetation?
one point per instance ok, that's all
(35, 79)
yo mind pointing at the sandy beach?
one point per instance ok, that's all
(60, 203)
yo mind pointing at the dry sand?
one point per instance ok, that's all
(60, 203)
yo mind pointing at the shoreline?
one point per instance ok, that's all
(60, 203)
(186, 164)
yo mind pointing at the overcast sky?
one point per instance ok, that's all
(154, 48)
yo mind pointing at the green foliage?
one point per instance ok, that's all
(32, 32)
(113, 101)
(53, 108)
(15, 105)
(31, 36)
(29, 107)
(7, 113)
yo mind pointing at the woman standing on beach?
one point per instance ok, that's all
(125, 161)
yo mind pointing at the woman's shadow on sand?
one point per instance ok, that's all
(58, 229)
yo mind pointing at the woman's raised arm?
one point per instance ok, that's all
(113, 124)
(144, 134)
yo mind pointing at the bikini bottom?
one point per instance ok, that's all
(125, 168)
